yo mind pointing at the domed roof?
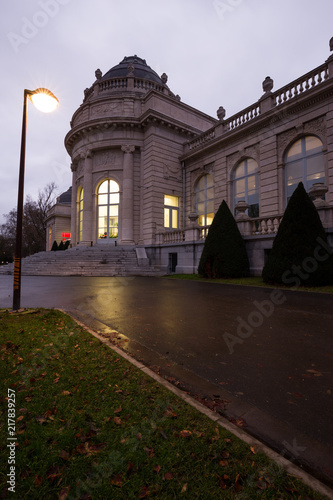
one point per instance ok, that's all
(135, 66)
(65, 197)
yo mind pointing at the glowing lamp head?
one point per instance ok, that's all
(44, 100)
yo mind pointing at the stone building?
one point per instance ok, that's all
(150, 171)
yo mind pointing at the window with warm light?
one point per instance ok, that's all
(80, 214)
(246, 186)
(107, 210)
(304, 162)
(171, 212)
(204, 197)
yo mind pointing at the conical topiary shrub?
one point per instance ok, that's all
(300, 253)
(54, 246)
(224, 254)
(61, 246)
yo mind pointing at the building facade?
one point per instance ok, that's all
(150, 171)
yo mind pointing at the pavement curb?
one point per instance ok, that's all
(287, 465)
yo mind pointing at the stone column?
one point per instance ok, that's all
(127, 214)
(87, 236)
(73, 207)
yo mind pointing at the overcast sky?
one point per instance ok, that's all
(215, 53)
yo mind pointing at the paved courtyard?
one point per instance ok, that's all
(267, 354)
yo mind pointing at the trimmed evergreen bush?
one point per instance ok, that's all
(300, 253)
(66, 245)
(61, 246)
(54, 246)
(224, 253)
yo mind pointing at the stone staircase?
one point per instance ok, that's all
(86, 261)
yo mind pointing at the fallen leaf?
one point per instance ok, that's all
(169, 412)
(185, 433)
(157, 468)
(224, 463)
(38, 480)
(41, 419)
(64, 493)
(21, 417)
(117, 481)
(167, 476)
(253, 450)
(130, 468)
(66, 393)
(64, 454)
(117, 410)
(117, 420)
(184, 488)
(149, 451)
(144, 492)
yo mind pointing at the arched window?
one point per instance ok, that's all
(107, 210)
(204, 198)
(80, 214)
(304, 162)
(246, 186)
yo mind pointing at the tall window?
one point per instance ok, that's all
(80, 214)
(204, 197)
(107, 210)
(304, 162)
(171, 212)
(246, 186)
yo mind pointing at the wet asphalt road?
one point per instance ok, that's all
(270, 353)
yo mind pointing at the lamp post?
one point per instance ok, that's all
(45, 101)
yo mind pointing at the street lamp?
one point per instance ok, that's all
(45, 101)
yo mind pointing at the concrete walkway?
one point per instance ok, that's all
(265, 357)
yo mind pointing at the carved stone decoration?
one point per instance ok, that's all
(220, 113)
(267, 84)
(331, 44)
(98, 74)
(104, 158)
(317, 127)
(249, 152)
(318, 190)
(127, 148)
(107, 109)
(314, 127)
(130, 69)
(284, 140)
(171, 172)
(241, 208)
(164, 78)
(81, 117)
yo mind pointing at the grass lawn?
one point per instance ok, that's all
(90, 425)
(251, 281)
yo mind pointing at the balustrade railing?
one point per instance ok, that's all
(265, 225)
(301, 85)
(114, 83)
(242, 117)
(147, 85)
(176, 236)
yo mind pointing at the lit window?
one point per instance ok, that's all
(304, 162)
(204, 196)
(246, 186)
(171, 212)
(107, 210)
(80, 214)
